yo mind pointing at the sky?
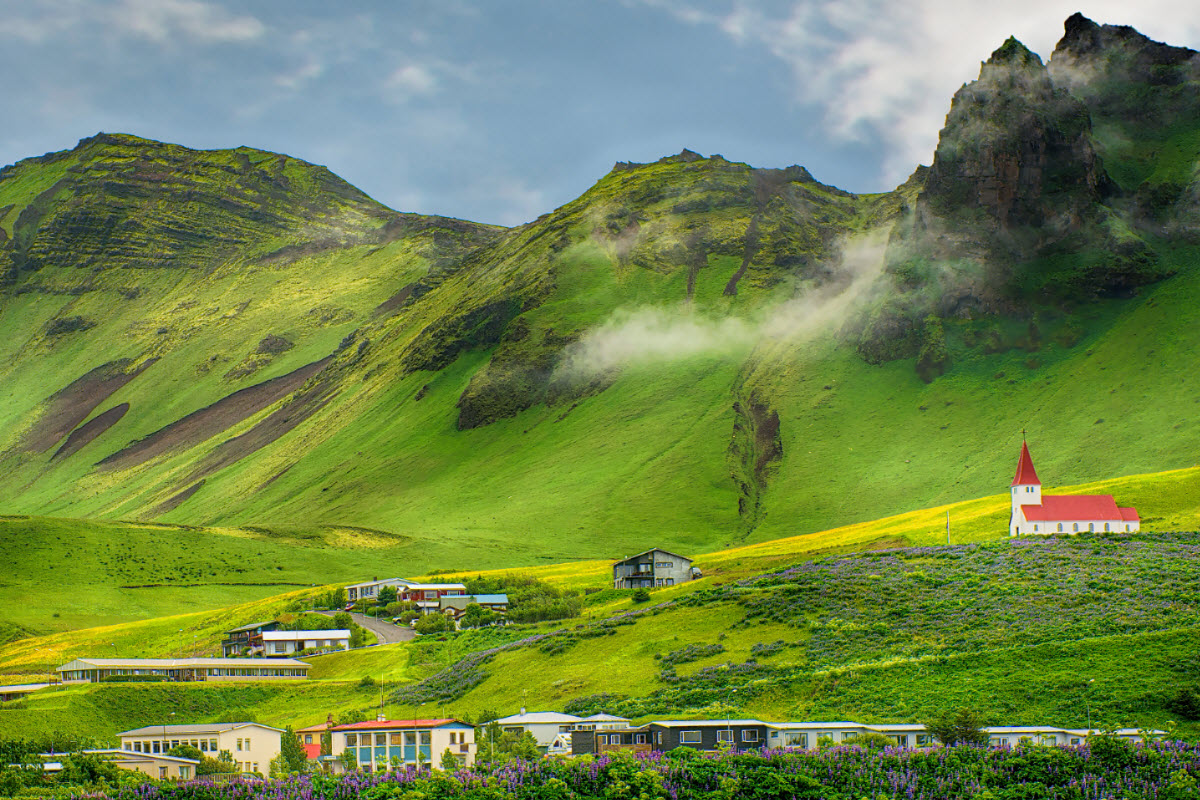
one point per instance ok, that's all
(501, 110)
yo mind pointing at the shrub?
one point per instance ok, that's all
(434, 623)
(641, 596)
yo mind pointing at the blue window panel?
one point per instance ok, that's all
(410, 752)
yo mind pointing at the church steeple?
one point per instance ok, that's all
(1026, 474)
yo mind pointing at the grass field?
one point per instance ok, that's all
(802, 673)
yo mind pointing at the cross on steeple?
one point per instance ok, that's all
(1022, 434)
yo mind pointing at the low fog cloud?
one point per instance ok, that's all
(656, 334)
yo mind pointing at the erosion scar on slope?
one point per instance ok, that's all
(200, 425)
(72, 404)
(84, 434)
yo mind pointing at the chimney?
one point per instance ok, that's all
(329, 721)
(381, 717)
(522, 710)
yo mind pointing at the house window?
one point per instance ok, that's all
(156, 746)
(725, 736)
(212, 745)
(1127, 529)
(239, 745)
(308, 738)
(380, 739)
(660, 737)
(162, 773)
(351, 740)
(185, 772)
(602, 740)
(795, 740)
(639, 738)
(397, 739)
(750, 735)
(1075, 741)
(686, 737)
(1035, 528)
(255, 767)
(849, 736)
(901, 739)
(925, 739)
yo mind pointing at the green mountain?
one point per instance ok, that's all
(693, 353)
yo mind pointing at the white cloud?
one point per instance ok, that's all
(165, 21)
(413, 79)
(160, 21)
(885, 69)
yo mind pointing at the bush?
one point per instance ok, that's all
(641, 596)
(434, 623)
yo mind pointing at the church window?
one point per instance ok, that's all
(1091, 526)
(1075, 527)
(1060, 530)
(1106, 527)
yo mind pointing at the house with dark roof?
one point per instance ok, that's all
(1035, 513)
(246, 639)
(652, 569)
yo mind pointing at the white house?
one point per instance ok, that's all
(97, 670)
(283, 643)
(1034, 513)
(252, 745)
(544, 725)
(369, 590)
(156, 766)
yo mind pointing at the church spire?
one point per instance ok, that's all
(1026, 474)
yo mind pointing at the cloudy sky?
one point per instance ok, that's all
(500, 110)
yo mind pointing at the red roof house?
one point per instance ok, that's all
(1034, 513)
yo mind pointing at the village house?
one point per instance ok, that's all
(20, 691)
(378, 745)
(284, 643)
(369, 590)
(544, 725)
(162, 767)
(252, 745)
(652, 569)
(709, 735)
(1033, 513)
(455, 606)
(310, 737)
(428, 596)
(246, 640)
(96, 670)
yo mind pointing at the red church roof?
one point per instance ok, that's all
(1078, 508)
(1026, 474)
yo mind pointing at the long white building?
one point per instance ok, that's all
(96, 670)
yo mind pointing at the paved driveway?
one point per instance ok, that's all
(385, 631)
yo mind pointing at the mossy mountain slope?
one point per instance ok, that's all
(660, 361)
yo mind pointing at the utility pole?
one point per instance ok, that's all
(947, 528)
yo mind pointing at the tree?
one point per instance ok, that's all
(186, 751)
(524, 746)
(294, 756)
(211, 766)
(434, 623)
(343, 621)
(85, 768)
(278, 767)
(958, 727)
(476, 616)
(449, 762)
(641, 596)
(386, 595)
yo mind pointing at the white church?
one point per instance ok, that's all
(1033, 513)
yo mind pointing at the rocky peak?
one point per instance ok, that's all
(1014, 146)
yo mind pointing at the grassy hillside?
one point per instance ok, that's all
(1015, 629)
